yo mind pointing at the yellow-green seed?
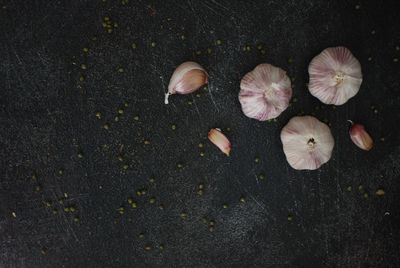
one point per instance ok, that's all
(98, 115)
(211, 228)
(262, 51)
(109, 31)
(183, 214)
(382, 139)
(152, 200)
(205, 87)
(151, 180)
(200, 192)
(153, 44)
(115, 24)
(55, 211)
(147, 248)
(373, 32)
(180, 165)
(125, 166)
(85, 49)
(228, 129)
(204, 219)
(369, 58)
(349, 188)
(290, 60)
(94, 38)
(106, 18)
(360, 187)
(201, 145)
(182, 37)
(261, 176)
(144, 191)
(76, 219)
(60, 171)
(212, 223)
(116, 119)
(136, 118)
(365, 195)
(395, 60)
(138, 192)
(72, 209)
(198, 52)
(134, 205)
(256, 159)
(43, 251)
(161, 207)
(259, 47)
(120, 158)
(161, 246)
(219, 42)
(209, 50)
(198, 95)
(47, 203)
(83, 66)
(190, 102)
(173, 127)
(81, 78)
(133, 45)
(130, 200)
(66, 209)
(121, 70)
(201, 186)
(357, 6)
(290, 218)
(61, 201)
(248, 48)
(146, 142)
(80, 155)
(202, 153)
(380, 192)
(141, 235)
(376, 111)
(120, 111)
(106, 126)
(242, 199)
(225, 206)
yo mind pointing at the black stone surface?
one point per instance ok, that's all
(48, 117)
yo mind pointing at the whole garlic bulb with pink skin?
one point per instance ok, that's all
(265, 92)
(307, 142)
(187, 78)
(335, 76)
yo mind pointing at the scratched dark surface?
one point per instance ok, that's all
(48, 116)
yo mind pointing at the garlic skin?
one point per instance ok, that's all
(335, 76)
(265, 92)
(220, 140)
(360, 136)
(187, 78)
(307, 142)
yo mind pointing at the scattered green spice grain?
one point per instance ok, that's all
(201, 153)
(182, 37)
(395, 60)
(295, 100)
(61, 201)
(130, 200)
(211, 228)
(212, 223)
(209, 50)
(369, 58)
(98, 115)
(290, 60)
(200, 192)
(225, 206)
(161, 207)
(373, 32)
(106, 126)
(173, 127)
(201, 145)
(161, 246)
(43, 251)
(357, 6)
(81, 78)
(261, 176)
(153, 44)
(121, 210)
(144, 192)
(256, 159)
(360, 187)
(382, 139)
(190, 102)
(248, 48)
(152, 200)
(80, 155)
(141, 235)
(109, 31)
(290, 218)
(180, 165)
(134, 205)
(146, 142)
(120, 158)
(259, 47)
(60, 171)
(72, 208)
(219, 42)
(365, 195)
(83, 66)
(136, 118)
(138, 192)
(380, 192)
(242, 199)
(198, 52)
(201, 186)
(47, 203)
(376, 111)
(152, 180)
(76, 219)
(349, 188)
(133, 45)
(121, 70)
(85, 49)
(205, 87)
(262, 51)
(66, 209)
(183, 214)
(37, 188)
(198, 95)
(116, 119)
(398, 48)
(125, 166)
(147, 247)
(204, 220)
(55, 211)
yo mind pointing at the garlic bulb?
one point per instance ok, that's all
(335, 76)
(307, 142)
(360, 137)
(220, 140)
(187, 78)
(265, 92)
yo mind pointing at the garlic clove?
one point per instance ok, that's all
(265, 92)
(307, 142)
(187, 78)
(360, 136)
(220, 140)
(335, 76)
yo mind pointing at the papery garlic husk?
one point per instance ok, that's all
(360, 136)
(335, 76)
(187, 78)
(265, 92)
(307, 142)
(220, 140)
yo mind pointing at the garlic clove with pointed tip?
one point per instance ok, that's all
(220, 140)
(265, 92)
(335, 76)
(307, 142)
(187, 78)
(360, 136)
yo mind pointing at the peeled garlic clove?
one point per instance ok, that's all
(307, 142)
(335, 76)
(187, 78)
(360, 137)
(265, 92)
(220, 140)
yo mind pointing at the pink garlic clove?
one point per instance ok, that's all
(187, 78)
(265, 92)
(335, 76)
(360, 137)
(307, 142)
(220, 140)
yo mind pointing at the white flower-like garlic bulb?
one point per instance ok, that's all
(307, 142)
(335, 76)
(265, 92)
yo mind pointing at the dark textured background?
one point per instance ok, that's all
(48, 117)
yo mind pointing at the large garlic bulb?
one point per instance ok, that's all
(307, 142)
(265, 92)
(335, 76)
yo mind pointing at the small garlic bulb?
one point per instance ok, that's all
(187, 78)
(307, 142)
(265, 92)
(335, 76)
